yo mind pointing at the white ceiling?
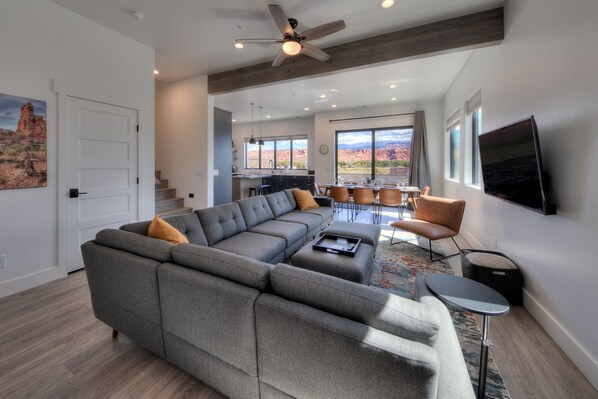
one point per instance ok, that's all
(193, 38)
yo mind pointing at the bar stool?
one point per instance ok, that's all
(252, 191)
(262, 189)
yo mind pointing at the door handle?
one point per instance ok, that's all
(74, 193)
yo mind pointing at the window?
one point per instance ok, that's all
(453, 156)
(381, 154)
(277, 153)
(476, 129)
(455, 142)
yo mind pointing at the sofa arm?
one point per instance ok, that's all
(376, 308)
(137, 244)
(324, 201)
(454, 380)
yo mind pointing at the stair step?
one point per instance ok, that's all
(175, 212)
(169, 203)
(163, 184)
(165, 193)
(157, 173)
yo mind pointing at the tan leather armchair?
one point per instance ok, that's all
(435, 218)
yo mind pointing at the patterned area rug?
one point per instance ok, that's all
(395, 268)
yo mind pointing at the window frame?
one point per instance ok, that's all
(372, 131)
(292, 139)
(476, 129)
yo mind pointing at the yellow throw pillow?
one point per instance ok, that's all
(304, 199)
(158, 228)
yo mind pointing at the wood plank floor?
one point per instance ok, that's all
(51, 346)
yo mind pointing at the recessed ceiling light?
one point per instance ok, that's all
(322, 95)
(333, 105)
(156, 72)
(267, 116)
(306, 109)
(234, 120)
(392, 86)
(239, 45)
(387, 3)
(393, 99)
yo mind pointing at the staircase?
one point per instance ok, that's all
(167, 203)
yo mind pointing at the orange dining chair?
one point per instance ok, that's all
(425, 191)
(391, 197)
(364, 196)
(340, 195)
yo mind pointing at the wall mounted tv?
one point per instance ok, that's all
(512, 166)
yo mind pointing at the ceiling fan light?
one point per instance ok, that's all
(291, 47)
(387, 3)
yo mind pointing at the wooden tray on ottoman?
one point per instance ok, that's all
(336, 244)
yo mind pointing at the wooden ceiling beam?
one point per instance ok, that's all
(470, 31)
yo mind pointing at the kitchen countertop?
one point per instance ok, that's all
(250, 176)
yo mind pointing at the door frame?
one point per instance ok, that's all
(64, 90)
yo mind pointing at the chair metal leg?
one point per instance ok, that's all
(441, 256)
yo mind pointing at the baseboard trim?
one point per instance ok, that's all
(28, 281)
(584, 360)
(470, 238)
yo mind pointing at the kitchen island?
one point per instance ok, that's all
(242, 184)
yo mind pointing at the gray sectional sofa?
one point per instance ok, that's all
(252, 329)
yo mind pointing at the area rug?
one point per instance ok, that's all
(395, 268)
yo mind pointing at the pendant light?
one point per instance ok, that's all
(252, 139)
(260, 142)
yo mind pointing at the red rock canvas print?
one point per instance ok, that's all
(22, 143)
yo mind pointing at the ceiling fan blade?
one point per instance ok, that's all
(322, 30)
(280, 57)
(314, 52)
(281, 19)
(258, 41)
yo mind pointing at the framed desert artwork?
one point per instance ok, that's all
(22, 143)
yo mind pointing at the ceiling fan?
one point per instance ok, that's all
(294, 43)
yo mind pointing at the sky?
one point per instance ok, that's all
(10, 110)
(383, 137)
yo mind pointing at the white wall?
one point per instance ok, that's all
(325, 133)
(40, 41)
(547, 67)
(183, 115)
(284, 127)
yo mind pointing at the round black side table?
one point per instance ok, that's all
(471, 296)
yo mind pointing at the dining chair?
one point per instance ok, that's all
(435, 218)
(410, 201)
(318, 190)
(340, 195)
(391, 197)
(364, 196)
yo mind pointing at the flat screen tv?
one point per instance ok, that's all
(512, 166)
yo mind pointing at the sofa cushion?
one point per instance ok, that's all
(136, 244)
(255, 210)
(291, 232)
(256, 246)
(379, 309)
(324, 212)
(308, 219)
(291, 197)
(304, 199)
(241, 269)
(162, 230)
(280, 203)
(220, 222)
(187, 224)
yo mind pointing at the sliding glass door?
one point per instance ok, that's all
(368, 154)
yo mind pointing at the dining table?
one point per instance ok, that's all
(409, 190)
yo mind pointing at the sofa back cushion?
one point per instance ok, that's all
(280, 203)
(135, 243)
(255, 210)
(291, 197)
(187, 224)
(376, 308)
(221, 222)
(237, 268)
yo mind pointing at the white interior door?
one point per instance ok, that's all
(102, 166)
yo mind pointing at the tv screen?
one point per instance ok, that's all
(512, 165)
